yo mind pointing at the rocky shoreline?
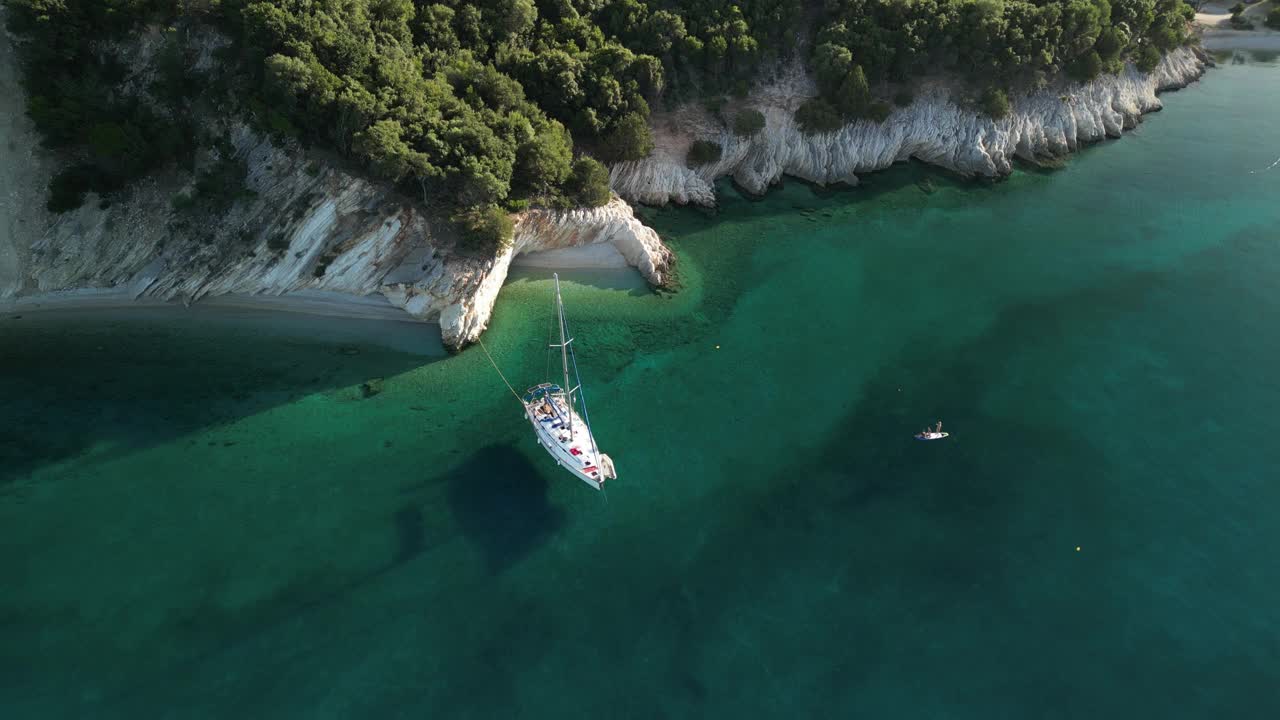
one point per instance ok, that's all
(305, 226)
(937, 127)
(300, 227)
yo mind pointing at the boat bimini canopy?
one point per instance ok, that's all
(537, 392)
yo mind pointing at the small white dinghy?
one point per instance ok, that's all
(553, 412)
(932, 434)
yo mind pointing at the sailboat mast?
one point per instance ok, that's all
(564, 354)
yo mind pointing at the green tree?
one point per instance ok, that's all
(1110, 44)
(1086, 67)
(382, 145)
(287, 79)
(588, 184)
(629, 139)
(1148, 59)
(703, 152)
(816, 115)
(485, 229)
(544, 159)
(465, 97)
(994, 103)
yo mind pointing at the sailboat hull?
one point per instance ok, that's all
(551, 410)
(573, 450)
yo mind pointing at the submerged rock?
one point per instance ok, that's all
(370, 387)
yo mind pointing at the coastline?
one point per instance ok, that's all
(1213, 20)
(586, 257)
(374, 307)
(302, 227)
(350, 248)
(1214, 39)
(307, 302)
(310, 316)
(940, 127)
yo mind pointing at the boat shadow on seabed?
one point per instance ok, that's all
(499, 500)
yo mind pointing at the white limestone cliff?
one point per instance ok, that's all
(300, 226)
(306, 227)
(461, 295)
(937, 128)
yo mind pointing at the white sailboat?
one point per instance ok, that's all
(553, 412)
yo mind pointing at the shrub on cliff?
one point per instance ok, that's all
(218, 185)
(1273, 18)
(484, 102)
(818, 116)
(1109, 45)
(703, 152)
(68, 188)
(879, 111)
(851, 94)
(1086, 67)
(845, 87)
(748, 122)
(994, 103)
(485, 229)
(588, 184)
(1148, 59)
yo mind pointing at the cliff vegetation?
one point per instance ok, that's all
(480, 108)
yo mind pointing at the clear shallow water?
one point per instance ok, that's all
(213, 523)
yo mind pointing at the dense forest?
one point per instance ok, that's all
(485, 107)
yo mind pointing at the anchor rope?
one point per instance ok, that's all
(495, 367)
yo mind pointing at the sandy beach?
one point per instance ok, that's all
(312, 314)
(307, 315)
(1216, 32)
(308, 302)
(602, 256)
(598, 256)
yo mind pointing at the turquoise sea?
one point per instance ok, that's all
(216, 520)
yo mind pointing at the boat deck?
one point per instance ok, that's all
(568, 439)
